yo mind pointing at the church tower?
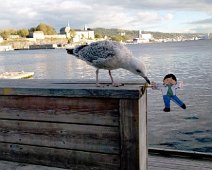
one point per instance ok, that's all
(67, 30)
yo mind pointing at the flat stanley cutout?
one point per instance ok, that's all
(168, 88)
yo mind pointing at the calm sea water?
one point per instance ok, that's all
(190, 61)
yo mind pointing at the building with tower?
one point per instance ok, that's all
(78, 34)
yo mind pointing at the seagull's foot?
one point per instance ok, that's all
(113, 84)
(117, 84)
(99, 85)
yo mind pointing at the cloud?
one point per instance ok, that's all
(202, 26)
(168, 17)
(192, 5)
(27, 12)
(207, 21)
(126, 14)
(202, 29)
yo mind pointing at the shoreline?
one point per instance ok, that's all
(38, 46)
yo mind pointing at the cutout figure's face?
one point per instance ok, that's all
(169, 81)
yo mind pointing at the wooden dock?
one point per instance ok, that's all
(67, 124)
(73, 125)
(167, 159)
(163, 161)
(16, 75)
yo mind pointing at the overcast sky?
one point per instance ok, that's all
(147, 15)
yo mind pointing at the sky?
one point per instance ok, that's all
(180, 16)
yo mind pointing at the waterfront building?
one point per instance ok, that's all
(84, 34)
(1, 39)
(143, 38)
(38, 35)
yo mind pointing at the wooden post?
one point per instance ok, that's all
(74, 125)
(129, 121)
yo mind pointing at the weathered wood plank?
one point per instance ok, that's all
(155, 163)
(143, 149)
(64, 158)
(175, 163)
(129, 130)
(72, 125)
(180, 153)
(102, 139)
(8, 165)
(73, 110)
(58, 82)
(68, 89)
(57, 103)
(96, 117)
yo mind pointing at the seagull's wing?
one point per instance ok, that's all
(96, 52)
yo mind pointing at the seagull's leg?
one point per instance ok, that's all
(113, 83)
(97, 78)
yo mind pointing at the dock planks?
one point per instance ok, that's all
(72, 124)
(155, 162)
(176, 163)
(76, 125)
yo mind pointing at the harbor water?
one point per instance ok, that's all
(190, 61)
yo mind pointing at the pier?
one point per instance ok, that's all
(73, 125)
(67, 124)
(42, 46)
(158, 159)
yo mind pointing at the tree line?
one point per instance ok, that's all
(47, 30)
(114, 34)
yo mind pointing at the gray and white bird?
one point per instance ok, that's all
(109, 55)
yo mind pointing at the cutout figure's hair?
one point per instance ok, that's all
(170, 76)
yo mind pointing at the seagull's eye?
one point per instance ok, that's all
(138, 71)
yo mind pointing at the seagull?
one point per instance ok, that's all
(109, 55)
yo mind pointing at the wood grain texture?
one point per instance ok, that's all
(95, 117)
(67, 89)
(72, 110)
(143, 144)
(64, 158)
(176, 163)
(129, 130)
(72, 125)
(70, 136)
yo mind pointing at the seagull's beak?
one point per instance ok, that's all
(147, 80)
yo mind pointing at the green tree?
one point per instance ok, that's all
(119, 38)
(23, 32)
(72, 35)
(47, 29)
(5, 34)
(98, 36)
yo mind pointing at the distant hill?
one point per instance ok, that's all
(134, 33)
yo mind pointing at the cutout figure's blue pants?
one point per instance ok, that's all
(174, 98)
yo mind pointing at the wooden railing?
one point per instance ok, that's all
(74, 125)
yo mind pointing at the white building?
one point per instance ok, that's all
(143, 38)
(1, 39)
(146, 36)
(38, 35)
(85, 34)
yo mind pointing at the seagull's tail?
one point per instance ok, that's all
(70, 51)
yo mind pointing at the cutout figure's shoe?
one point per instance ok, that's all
(166, 109)
(183, 106)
